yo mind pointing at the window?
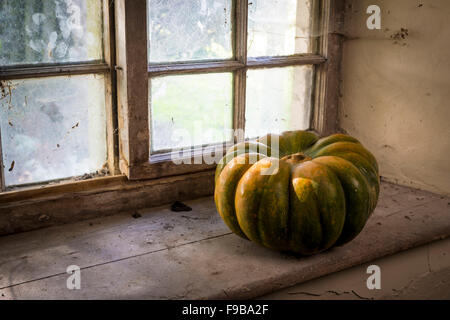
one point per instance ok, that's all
(54, 76)
(217, 71)
(197, 109)
(91, 86)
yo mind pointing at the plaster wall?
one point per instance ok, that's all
(395, 89)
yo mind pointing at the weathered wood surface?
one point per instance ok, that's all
(132, 83)
(295, 60)
(52, 70)
(39, 208)
(240, 76)
(325, 117)
(109, 48)
(180, 255)
(193, 68)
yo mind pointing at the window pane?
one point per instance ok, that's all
(278, 100)
(189, 30)
(280, 27)
(52, 128)
(50, 31)
(191, 110)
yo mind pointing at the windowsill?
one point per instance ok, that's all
(35, 208)
(191, 255)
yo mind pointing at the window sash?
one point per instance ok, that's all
(133, 85)
(105, 67)
(128, 73)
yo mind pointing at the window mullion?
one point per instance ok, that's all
(240, 76)
(132, 84)
(112, 140)
(327, 74)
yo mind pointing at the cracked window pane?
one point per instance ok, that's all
(280, 27)
(52, 128)
(191, 110)
(189, 30)
(50, 31)
(278, 99)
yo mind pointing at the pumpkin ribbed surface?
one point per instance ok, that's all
(321, 193)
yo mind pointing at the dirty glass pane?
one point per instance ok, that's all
(50, 31)
(278, 100)
(181, 30)
(280, 27)
(190, 110)
(52, 128)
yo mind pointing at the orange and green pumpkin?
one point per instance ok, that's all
(321, 195)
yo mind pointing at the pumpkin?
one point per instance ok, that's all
(320, 195)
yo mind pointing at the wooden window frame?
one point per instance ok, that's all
(134, 73)
(105, 67)
(127, 73)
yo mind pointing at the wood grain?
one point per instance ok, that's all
(194, 68)
(52, 70)
(27, 210)
(132, 83)
(109, 45)
(325, 115)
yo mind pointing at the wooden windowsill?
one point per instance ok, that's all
(69, 202)
(191, 255)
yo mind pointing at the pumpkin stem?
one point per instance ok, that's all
(296, 158)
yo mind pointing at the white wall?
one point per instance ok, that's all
(395, 95)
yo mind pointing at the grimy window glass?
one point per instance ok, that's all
(53, 128)
(258, 45)
(52, 103)
(189, 30)
(280, 28)
(289, 89)
(49, 31)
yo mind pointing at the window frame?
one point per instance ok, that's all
(104, 67)
(127, 78)
(134, 74)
